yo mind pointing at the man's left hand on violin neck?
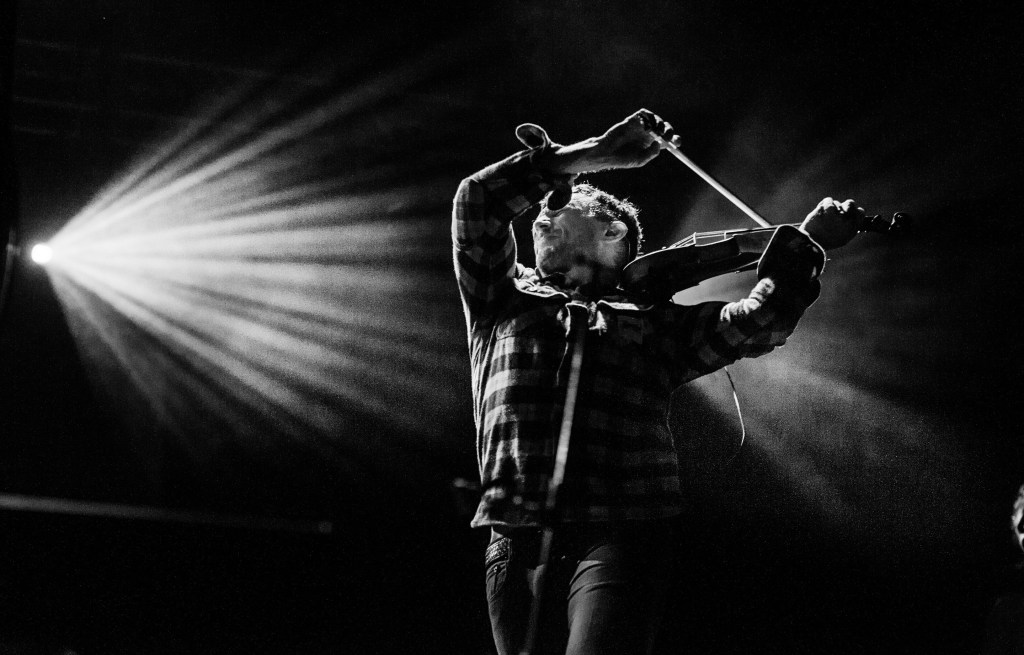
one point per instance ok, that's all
(833, 224)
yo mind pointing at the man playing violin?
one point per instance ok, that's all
(605, 577)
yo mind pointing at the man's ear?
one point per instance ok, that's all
(615, 231)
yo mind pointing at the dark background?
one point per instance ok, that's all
(866, 512)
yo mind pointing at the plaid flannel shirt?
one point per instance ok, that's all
(622, 463)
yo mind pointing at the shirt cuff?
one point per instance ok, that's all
(540, 144)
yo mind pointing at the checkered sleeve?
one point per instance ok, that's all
(711, 335)
(484, 245)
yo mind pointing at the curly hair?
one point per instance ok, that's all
(601, 204)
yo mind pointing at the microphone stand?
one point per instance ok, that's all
(578, 334)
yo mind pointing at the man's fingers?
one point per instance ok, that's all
(655, 124)
(667, 132)
(850, 206)
(647, 118)
(651, 151)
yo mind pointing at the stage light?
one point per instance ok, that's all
(42, 253)
(271, 274)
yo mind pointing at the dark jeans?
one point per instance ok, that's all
(604, 587)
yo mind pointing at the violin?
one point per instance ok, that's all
(704, 255)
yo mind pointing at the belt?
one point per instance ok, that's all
(499, 550)
(574, 539)
(521, 543)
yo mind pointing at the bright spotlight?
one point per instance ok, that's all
(254, 276)
(42, 253)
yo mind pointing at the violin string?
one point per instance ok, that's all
(693, 239)
(682, 243)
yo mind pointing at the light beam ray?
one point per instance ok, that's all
(254, 142)
(244, 290)
(843, 412)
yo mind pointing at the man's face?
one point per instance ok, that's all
(570, 241)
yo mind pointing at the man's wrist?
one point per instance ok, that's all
(566, 160)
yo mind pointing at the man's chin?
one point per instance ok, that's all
(550, 265)
(552, 269)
